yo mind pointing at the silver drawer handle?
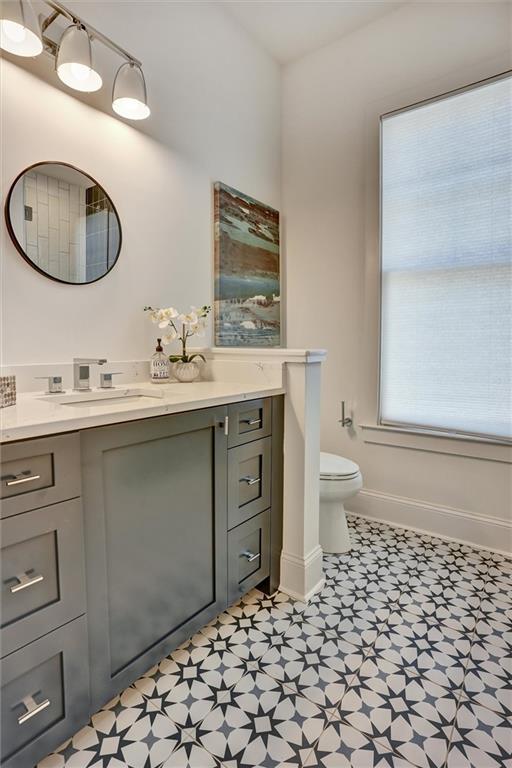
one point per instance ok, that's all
(251, 422)
(24, 581)
(250, 480)
(32, 709)
(250, 557)
(18, 479)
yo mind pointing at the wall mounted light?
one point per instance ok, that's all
(21, 34)
(19, 29)
(129, 96)
(74, 60)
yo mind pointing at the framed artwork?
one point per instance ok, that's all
(247, 297)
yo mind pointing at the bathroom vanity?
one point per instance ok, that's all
(119, 541)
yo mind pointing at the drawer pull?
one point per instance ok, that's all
(24, 581)
(250, 556)
(32, 709)
(250, 480)
(250, 422)
(22, 478)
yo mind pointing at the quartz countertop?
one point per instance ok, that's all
(37, 414)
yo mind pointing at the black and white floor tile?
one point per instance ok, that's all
(404, 660)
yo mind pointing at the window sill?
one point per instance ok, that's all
(437, 442)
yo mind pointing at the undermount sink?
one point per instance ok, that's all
(108, 398)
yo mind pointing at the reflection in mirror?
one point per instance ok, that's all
(63, 223)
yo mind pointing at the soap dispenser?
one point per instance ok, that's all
(160, 367)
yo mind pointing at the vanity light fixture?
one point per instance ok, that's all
(21, 34)
(19, 29)
(129, 96)
(74, 60)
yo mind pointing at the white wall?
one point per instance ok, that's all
(331, 103)
(215, 98)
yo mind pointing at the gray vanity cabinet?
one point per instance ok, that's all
(178, 515)
(154, 495)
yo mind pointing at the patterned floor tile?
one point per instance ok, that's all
(500, 588)
(496, 609)
(481, 739)
(192, 680)
(247, 627)
(384, 587)
(405, 712)
(312, 663)
(190, 754)
(456, 609)
(495, 632)
(489, 677)
(129, 732)
(341, 746)
(262, 724)
(439, 653)
(359, 627)
(450, 578)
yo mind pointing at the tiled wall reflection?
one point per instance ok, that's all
(102, 233)
(55, 228)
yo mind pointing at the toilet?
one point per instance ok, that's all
(340, 480)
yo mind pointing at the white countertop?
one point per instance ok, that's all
(36, 415)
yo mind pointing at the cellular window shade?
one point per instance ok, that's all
(446, 255)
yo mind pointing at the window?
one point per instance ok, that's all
(446, 259)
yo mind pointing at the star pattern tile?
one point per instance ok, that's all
(404, 660)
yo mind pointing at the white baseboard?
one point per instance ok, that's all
(458, 525)
(302, 577)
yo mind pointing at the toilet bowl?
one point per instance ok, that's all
(340, 480)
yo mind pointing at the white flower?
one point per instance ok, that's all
(190, 318)
(163, 316)
(168, 338)
(248, 324)
(198, 328)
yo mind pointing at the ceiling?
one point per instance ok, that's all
(289, 29)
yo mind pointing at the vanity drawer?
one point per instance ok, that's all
(42, 567)
(249, 469)
(45, 695)
(249, 421)
(248, 555)
(36, 473)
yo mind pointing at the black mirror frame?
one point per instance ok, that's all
(17, 244)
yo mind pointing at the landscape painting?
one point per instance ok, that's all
(247, 289)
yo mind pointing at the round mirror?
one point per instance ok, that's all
(63, 223)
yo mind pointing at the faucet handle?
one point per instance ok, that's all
(54, 384)
(106, 379)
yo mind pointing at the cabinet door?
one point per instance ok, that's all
(45, 694)
(154, 495)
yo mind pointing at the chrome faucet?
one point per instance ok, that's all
(82, 373)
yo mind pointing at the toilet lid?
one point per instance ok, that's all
(332, 465)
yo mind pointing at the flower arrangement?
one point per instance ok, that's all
(181, 327)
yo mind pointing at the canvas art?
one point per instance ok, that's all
(247, 287)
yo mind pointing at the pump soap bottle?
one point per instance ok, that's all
(160, 367)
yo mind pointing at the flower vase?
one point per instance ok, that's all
(186, 372)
